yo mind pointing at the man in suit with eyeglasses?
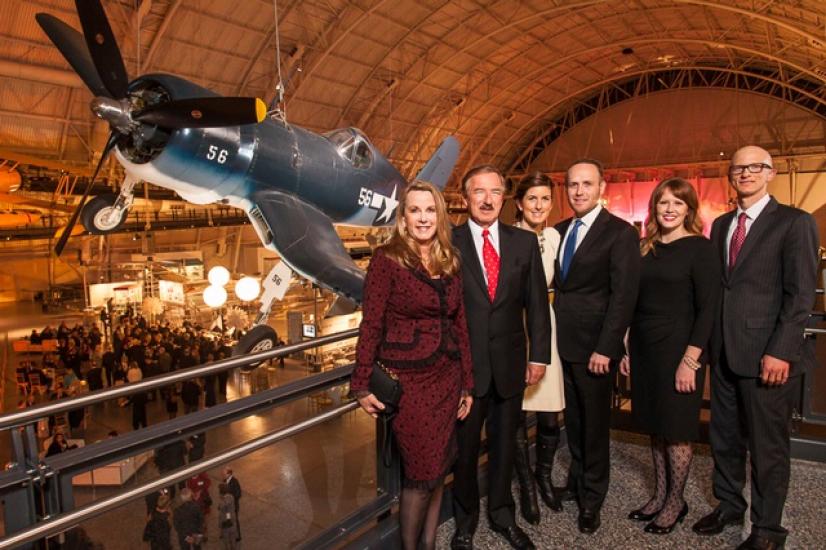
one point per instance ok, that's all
(758, 351)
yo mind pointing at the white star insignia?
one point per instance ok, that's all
(390, 204)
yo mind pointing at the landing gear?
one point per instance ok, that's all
(107, 212)
(260, 338)
(99, 215)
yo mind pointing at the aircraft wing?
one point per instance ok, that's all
(305, 239)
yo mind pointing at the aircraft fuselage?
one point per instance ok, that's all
(231, 164)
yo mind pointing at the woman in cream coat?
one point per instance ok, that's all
(534, 199)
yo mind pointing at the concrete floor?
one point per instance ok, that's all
(296, 488)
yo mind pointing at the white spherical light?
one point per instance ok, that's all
(215, 296)
(218, 275)
(247, 289)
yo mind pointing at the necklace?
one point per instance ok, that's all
(540, 236)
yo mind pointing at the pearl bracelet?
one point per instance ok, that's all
(691, 363)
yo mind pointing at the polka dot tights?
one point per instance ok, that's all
(672, 461)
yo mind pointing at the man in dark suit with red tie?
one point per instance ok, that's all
(505, 294)
(596, 280)
(758, 351)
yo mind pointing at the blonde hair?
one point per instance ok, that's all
(444, 259)
(684, 191)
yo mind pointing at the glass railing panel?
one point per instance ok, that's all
(291, 490)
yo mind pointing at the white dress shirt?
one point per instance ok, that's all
(478, 241)
(751, 214)
(587, 221)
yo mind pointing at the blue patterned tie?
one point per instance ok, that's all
(570, 248)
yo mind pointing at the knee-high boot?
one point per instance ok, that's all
(528, 502)
(547, 440)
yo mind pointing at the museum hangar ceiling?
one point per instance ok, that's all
(506, 77)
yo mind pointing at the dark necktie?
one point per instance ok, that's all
(570, 248)
(737, 239)
(491, 261)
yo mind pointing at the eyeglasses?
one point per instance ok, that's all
(754, 168)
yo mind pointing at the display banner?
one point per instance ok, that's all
(171, 291)
(123, 293)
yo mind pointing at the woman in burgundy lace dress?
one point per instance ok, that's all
(414, 323)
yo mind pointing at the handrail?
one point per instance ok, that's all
(131, 443)
(70, 519)
(35, 413)
(64, 465)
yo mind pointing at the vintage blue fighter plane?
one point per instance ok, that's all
(292, 183)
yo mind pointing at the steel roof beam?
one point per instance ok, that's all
(753, 80)
(156, 40)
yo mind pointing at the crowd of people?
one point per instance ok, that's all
(124, 352)
(463, 322)
(88, 358)
(190, 515)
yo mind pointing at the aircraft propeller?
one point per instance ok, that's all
(114, 137)
(96, 58)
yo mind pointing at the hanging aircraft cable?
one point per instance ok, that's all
(278, 109)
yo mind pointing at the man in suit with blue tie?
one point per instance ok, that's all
(758, 351)
(596, 279)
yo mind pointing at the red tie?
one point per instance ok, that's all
(737, 239)
(491, 259)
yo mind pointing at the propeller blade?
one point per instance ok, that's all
(103, 47)
(204, 112)
(114, 137)
(74, 50)
(76, 230)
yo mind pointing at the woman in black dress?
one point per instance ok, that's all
(674, 316)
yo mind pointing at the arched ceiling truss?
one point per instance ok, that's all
(612, 93)
(505, 76)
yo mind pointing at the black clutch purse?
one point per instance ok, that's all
(385, 386)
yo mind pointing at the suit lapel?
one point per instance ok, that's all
(760, 226)
(561, 228)
(469, 256)
(590, 238)
(725, 223)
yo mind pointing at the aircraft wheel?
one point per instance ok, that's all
(98, 216)
(260, 338)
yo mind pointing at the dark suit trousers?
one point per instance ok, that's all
(502, 416)
(745, 414)
(588, 429)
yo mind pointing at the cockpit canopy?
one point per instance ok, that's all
(352, 146)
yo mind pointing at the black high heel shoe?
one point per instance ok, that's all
(639, 515)
(655, 529)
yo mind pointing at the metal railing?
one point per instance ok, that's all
(32, 414)
(70, 519)
(32, 478)
(50, 478)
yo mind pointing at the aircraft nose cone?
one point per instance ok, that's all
(112, 111)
